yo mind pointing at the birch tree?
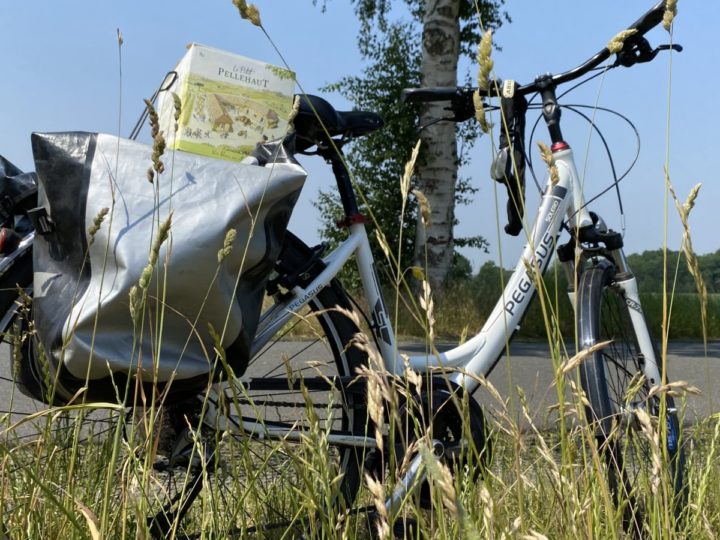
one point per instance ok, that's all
(443, 30)
(438, 172)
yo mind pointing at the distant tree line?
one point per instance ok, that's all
(470, 298)
(648, 266)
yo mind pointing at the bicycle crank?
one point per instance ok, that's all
(454, 421)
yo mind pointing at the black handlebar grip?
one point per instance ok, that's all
(426, 95)
(651, 19)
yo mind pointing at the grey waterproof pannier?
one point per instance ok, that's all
(138, 281)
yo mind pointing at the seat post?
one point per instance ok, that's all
(347, 194)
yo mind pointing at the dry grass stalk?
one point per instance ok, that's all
(227, 245)
(578, 359)
(97, 223)
(484, 61)
(417, 272)
(413, 377)
(653, 436)
(380, 236)
(541, 443)
(670, 14)
(158, 148)
(488, 510)
(350, 314)
(248, 12)
(616, 44)
(424, 206)
(377, 490)
(378, 385)
(376, 409)
(534, 535)
(440, 475)
(690, 258)
(485, 66)
(177, 109)
(409, 168)
(427, 304)
(547, 156)
(479, 105)
(136, 296)
(636, 385)
(580, 395)
(675, 389)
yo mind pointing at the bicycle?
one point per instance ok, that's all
(287, 398)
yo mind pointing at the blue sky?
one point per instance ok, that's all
(60, 71)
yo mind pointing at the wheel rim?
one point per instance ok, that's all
(635, 461)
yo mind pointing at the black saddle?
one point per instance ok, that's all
(316, 119)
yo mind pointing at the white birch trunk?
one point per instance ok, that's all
(437, 174)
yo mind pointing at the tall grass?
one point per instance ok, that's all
(99, 470)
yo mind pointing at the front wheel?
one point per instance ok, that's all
(617, 387)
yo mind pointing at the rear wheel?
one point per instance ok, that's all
(166, 463)
(617, 388)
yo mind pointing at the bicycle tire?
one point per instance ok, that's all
(183, 494)
(607, 376)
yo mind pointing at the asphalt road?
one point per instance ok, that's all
(527, 367)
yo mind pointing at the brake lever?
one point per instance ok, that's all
(638, 51)
(675, 47)
(462, 108)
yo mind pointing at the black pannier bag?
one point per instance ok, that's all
(86, 337)
(18, 194)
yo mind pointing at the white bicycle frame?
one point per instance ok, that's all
(479, 355)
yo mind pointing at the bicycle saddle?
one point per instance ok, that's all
(315, 112)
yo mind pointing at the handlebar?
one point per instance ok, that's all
(644, 24)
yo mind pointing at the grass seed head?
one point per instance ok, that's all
(578, 359)
(382, 241)
(547, 156)
(248, 11)
(134, 303)
(670, 14)
(160, 237)
(424, 206)
(158, 148)
(377, 490)
(440, 474)
(227, 245)
(653, 437)
(97, 223)
(616, 44)
(691, 259)
(479, 105)
(427, 304)
(177, 109)
(409, 168)
(676, 389)
(485, 63)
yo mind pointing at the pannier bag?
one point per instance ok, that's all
(18, 193)
(86, 337)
